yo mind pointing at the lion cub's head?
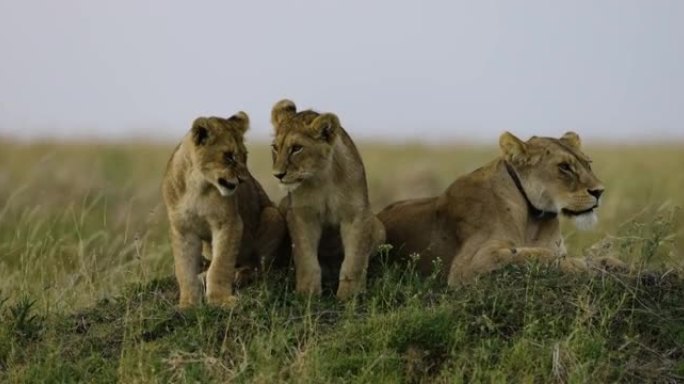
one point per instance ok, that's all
(555, 175)
(303, 143)
(218, 150)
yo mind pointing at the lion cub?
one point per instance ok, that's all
(327, 207)
(210, 196)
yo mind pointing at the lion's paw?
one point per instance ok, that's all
(310, 285)
(573, 265)
(610, 264)
(186, 304)
(349, 288)
(189, 300)
(223, 300)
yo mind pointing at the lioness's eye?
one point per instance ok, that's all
(296, 148)
(229, 157)
(565, 167)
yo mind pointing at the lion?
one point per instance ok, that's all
(326, 208)
(211, 197)
(502, 213)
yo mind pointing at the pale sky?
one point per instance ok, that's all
(426, 70)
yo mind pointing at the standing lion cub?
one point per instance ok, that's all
(327, 209)
(211, 197)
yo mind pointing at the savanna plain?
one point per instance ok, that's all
(87, 292)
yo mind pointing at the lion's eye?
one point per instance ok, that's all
(229, 157)
(565, 167)
(296, 149)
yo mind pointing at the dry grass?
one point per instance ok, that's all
(80, 222)
(77, 221)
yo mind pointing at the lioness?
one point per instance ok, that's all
(327, 202)
(505, 212)
(210, 196)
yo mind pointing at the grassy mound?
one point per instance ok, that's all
(518, 324)
(80, 222)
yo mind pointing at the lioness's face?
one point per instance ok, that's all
(556, 175)
(303, 144)
(219, 151)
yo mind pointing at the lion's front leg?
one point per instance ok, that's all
(187, 254)
(568, 264)
(361, 238)
(305, 231)
(548, 256)
(221, 274)
(497, 254)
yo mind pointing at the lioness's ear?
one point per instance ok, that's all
(513, 148)
(572, 139)
(325, 126)
(241, 121)
(281, 111)
(200, 133)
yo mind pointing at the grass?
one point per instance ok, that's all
(87, 294)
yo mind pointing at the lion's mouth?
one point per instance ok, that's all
(291, 182)
(290, 185)
(570, 212)
(226, 187)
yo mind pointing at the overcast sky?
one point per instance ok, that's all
(431, 70)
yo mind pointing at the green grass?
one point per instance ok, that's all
(87, 294)
(519, 324)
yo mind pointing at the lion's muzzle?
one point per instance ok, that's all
(226, 187)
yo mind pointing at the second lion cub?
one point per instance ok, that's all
(317, 162)
(211, 197)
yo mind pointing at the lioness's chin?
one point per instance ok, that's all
(289, 187)
(586, 221)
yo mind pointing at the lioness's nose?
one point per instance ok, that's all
(279, 175)
(596, 192)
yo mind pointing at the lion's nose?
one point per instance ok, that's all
(279, 175)
(226, 184)
(596, 192)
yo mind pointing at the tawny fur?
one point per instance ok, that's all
(211, 197)
(482, 222)
(326, 209)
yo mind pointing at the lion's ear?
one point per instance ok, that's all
(241, 121)
(514, 149)
(571, 139)
(325, 127)
(282, 110)
(200, 133)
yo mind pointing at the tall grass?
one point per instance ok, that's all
(81, 224)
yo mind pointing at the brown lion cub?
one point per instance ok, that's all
(210, 196)
(327, 205)
(505, 212)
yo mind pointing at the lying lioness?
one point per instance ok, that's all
(505, 212)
